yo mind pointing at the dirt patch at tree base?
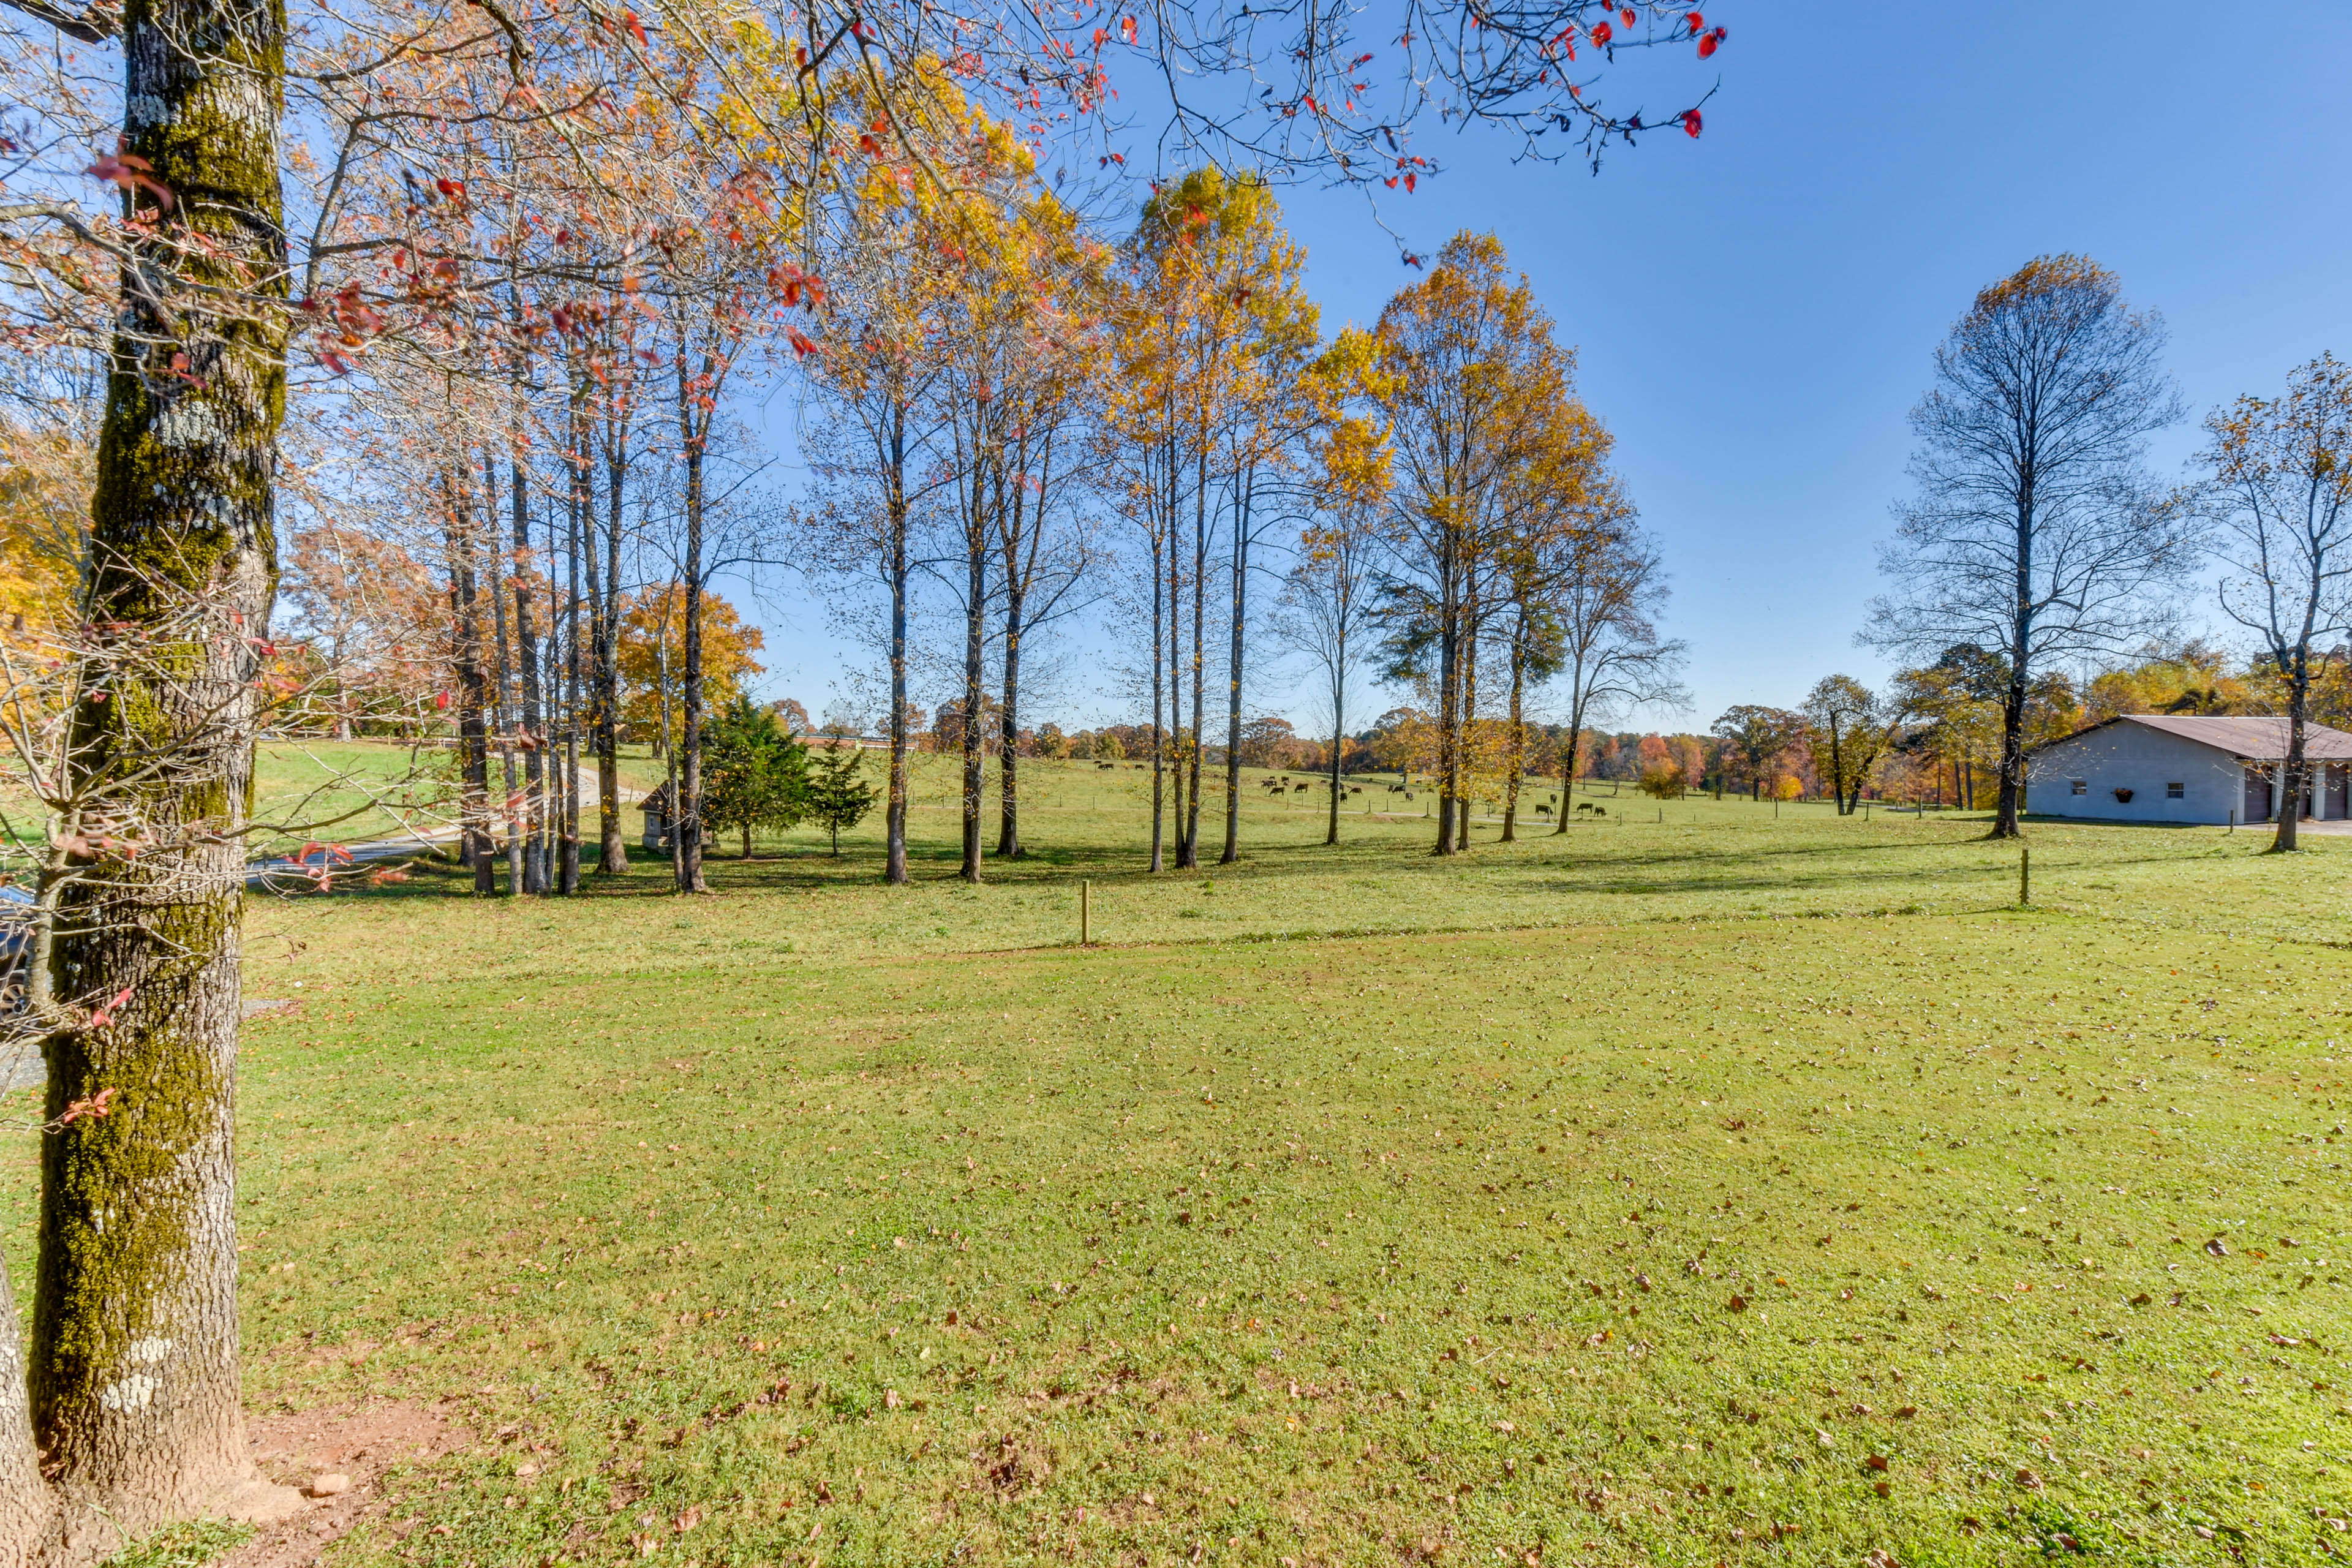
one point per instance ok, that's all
(357, 1442)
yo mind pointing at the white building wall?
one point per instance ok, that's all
(2130, 756)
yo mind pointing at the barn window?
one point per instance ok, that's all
(2176, 792)
(2078, 787)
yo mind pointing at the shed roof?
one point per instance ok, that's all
(2252, 738)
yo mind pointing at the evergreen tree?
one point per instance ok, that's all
(838, 795)
(755, 774)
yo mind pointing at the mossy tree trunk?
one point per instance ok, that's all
(134, 1362)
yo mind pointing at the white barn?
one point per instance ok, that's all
(2163, 767)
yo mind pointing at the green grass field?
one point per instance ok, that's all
(1713, 1190)
(352, 791)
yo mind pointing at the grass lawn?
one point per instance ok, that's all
(1711, 1190)
(350, 791)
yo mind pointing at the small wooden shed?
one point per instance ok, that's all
(658, 810)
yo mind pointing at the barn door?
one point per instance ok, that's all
(2258, 796)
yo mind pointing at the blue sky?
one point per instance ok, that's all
(1755, 310)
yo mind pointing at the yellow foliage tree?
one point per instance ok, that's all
(44, 524)
(651, 626)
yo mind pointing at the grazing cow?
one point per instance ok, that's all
(1543, 809)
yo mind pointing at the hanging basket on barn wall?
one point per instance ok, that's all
(2123, 796)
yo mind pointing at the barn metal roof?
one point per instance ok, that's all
(2252, 739)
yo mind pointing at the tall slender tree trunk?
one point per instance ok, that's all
(1338, 722)
(1016, 586)
(577, 517)
(1008, 749)
(1191, 851)
(1518, 765)
(688, 798)
(1160, 537)
(1449, 737)
(1176, 659)
(2011, 802)
(1577, 688)
(975, 695)
(670, 814)
(895, 854)
(1233, 850)
(499, 586)
(475, 847)
(525, 577)
(133, 1382)
(1463, 752)
(612, 842)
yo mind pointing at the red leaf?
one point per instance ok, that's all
(1408, 181)
(1626, 16)
(130, 172)
(802, 344)
(636, 29)
(441, 699)
(1389, 182)
(1697, 23)
(101, 1102)
(1601, 33)
(1690, 122)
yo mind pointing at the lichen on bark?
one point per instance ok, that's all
(133, 1355)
